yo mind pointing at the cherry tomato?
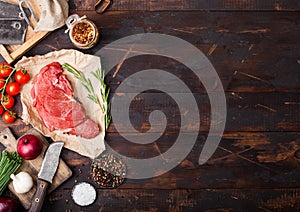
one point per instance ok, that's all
(9, 116)
(13, 88)
(8, 101)
(2, 83)
(22, 76)
(1, 109)
(5, 69)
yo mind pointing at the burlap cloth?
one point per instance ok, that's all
(53, 15)
(85, 63)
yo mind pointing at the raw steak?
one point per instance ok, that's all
(54, 100)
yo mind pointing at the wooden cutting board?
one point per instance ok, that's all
(33, 166)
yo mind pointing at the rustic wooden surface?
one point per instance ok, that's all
(33, 166)
(255, 49)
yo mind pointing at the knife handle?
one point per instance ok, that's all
(39, 196)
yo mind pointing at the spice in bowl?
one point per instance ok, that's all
(108, 171)
(83, 33)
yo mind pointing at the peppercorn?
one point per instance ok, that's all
(108, 171)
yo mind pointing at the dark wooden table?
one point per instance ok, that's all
(255, 49)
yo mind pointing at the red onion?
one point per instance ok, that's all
(8, 204)
(29, 147)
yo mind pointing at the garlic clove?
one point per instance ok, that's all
(22, 182)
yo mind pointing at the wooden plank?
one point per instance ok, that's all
(33, 166)
(225, 5)
(250, 199)
(116, 5)
(242, 160)
(261, 87)
(22, 49)
(249, 56)
(5, 54)
(257, 61)
(238, 73)
(268, 111)
(133, 4)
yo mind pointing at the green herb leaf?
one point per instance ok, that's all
(104, 92)
(87, 84)
(9, 163)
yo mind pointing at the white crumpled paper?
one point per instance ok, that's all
(82, 62)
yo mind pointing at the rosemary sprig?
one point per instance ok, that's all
(104, 90)
(85, 82)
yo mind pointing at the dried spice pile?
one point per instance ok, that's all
(83, 33)
(108, 171)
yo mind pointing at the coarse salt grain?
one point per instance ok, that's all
(84, 194)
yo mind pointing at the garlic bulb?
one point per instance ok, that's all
(22, 182)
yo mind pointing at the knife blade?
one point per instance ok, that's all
(13, 25)
(12, 31)
(10, 10)
(46, 174)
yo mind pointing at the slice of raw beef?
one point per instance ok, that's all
(54, 100)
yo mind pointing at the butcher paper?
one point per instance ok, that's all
(82, 62)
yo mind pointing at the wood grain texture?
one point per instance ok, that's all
(256, 55)
(269, 113)
(39, 197)
(242, 160)
(155, 5)
(246, 55)
(249, 56)
(146, 200)
(33, 166)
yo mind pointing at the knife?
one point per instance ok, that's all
(46, 174)
(13, 25)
